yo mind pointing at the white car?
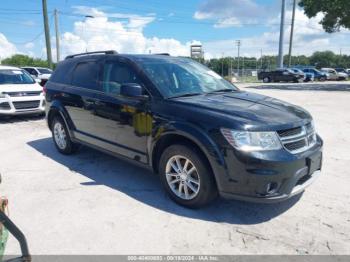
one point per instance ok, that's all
(41, 73)
(19, 93)
(332, 74)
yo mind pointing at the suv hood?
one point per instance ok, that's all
(252, 110)
(20, 88)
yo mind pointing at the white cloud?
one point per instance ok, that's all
(227, 22)
(29, 45)
(7, 49)
(125, 34)
(133, 21)
(309, 37)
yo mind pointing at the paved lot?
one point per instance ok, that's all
(91, 203)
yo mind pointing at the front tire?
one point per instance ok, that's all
(61, 137)
(187, 177)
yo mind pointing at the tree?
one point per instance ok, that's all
(324, 59)
(24, 60)
(336, 13)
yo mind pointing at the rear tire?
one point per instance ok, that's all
(187, 177)
(61, 137)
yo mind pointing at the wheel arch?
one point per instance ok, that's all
(197, 140)
(57, 109)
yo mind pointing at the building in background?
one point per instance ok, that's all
(197, 52)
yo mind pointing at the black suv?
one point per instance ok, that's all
(201, 134)
(281, 75)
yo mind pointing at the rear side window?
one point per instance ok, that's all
(86, 75)
(62, 74)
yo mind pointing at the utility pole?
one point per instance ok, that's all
(57, 37)
(261, 59)
(238, 43)
(292, 34)
(280, 53)
(47, 34)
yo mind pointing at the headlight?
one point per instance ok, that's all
(2, 95)
(252, 141)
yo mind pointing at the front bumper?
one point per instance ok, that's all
(271, 176)
(22, 105)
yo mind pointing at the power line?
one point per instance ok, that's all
(26, 42)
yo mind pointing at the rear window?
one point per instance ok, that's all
(15, 76)
(44, 71)
(86, 75)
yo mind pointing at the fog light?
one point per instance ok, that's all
(271, 188)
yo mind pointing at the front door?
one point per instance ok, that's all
(122, 123)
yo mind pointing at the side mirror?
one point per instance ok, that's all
(131, 90)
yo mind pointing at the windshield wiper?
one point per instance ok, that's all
(226, 90)
(186, 95)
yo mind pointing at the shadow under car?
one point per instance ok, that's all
(144, 186)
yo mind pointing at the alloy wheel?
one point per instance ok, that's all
(182, 177)
(60, 135)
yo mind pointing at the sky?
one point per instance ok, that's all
(158, 26)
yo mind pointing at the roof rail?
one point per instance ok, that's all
(108, 52)
(167, 54)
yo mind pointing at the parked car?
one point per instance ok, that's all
(332, 74)
(19, 93)
(318, 75)
(285, 75)
(41, 73)
(307, 76)
(201, 134)
(348, 71)
(342, 70)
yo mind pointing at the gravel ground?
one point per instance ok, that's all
(91, 203)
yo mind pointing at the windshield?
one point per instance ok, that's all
(44, 71)
(181, 77)
(296, 70)
(15, 76)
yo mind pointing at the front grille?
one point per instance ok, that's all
(19, 94)
(26, 104)
(295, 145)
(5, 106)
(289, 132)
(299, 139)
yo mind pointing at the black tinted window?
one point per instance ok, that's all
(116, 74)
(62, 73)
(85, 75)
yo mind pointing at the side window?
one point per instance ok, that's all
(115, 74)
(86, 75)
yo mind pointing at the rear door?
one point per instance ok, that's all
(79, 97)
